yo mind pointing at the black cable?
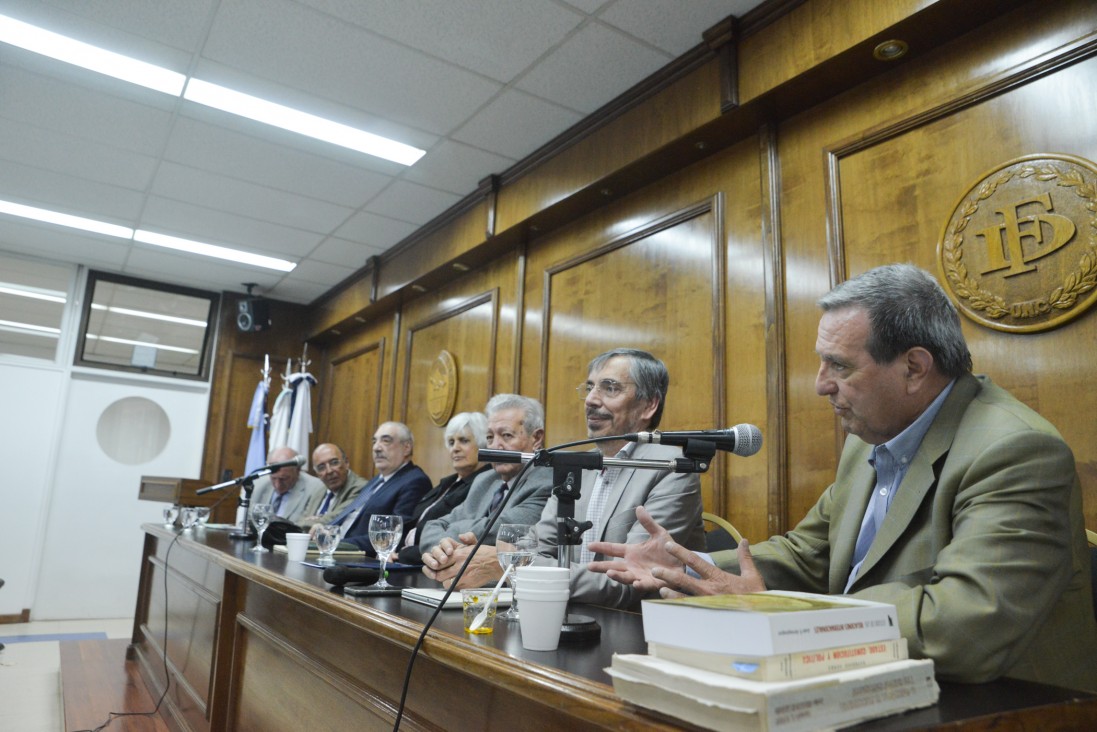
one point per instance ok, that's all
(111, 716)
(449, 591)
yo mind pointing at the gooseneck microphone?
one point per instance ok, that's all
(295, 463)
(742, 439)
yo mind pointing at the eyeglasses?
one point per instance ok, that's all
(329, 465)
(608, 388)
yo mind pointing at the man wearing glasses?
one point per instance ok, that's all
(343, 486)
(625, 391)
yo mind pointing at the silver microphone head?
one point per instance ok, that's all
(748, 439)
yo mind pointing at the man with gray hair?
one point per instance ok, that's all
(953, 501)
(515, 423)
(287, 490)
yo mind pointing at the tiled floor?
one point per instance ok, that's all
(30, 681)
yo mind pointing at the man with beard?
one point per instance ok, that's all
(625, 392)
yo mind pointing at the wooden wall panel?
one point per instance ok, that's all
(467, 330)
(351, 411)
(675, 269)
(876, 174)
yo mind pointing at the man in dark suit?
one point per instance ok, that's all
(396, 489)
(953, 501)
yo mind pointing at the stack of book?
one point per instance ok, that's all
(783, 661)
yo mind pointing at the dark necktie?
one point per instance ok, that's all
(326, 504)
(497, 498)
(277, 507)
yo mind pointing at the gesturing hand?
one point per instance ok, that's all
(659, 564)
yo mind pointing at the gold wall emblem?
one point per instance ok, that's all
(1019, 252)
(442, 388)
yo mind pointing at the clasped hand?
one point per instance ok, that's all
(444, 561)
(659, 563)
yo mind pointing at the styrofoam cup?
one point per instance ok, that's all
(540, 617)
(298, 546)
(534, 572)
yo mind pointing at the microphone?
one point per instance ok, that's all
(742, 439)
(295, 463)
(340, 575)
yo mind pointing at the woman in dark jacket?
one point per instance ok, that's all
(465, 434)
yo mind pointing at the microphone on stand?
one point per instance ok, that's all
(297, 462)
(742, 439)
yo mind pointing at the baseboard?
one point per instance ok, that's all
(23, 617)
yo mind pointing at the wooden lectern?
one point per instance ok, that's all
(184, 492)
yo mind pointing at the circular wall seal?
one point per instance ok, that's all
(1019, 252)
(442, 388)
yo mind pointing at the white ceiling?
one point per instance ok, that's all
(479, 84)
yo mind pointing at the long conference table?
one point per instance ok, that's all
(253, 641)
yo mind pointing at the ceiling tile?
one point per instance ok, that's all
(516, 124)
(374, 230)
(222, 193)
(347, 253)
(608, 62)
(647, 20)
(457, 168)
(412, 202)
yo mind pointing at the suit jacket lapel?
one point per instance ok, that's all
(920, 478)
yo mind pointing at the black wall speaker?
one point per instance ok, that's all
(252, 315)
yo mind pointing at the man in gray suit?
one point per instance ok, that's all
(625, 391)
(514, 423)
(287, 490)
(953, 501)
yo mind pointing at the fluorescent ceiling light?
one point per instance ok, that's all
(89, 57)
(62, 48)
(211, 250)
(35, 293)
(287, 118)
(28, 329)
(145, 314)
(147, 237)
(74, 222)
(128, 342)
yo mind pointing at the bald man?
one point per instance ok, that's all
(288, 490)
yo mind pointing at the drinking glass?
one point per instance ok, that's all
(260, 516)
(385, 531)
(515, 545)
(202, 512)
(327, 538)
(190, 518)
(170, 514)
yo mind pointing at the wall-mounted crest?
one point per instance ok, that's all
(442, 388)
(1019, 252)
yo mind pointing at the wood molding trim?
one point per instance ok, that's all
(776, 369)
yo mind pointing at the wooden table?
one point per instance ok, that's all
(255, 642)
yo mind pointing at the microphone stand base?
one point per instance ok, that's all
(579, 629)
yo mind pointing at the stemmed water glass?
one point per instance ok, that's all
(327, 538)
(515, 545)
(260, 516)
(385, 531)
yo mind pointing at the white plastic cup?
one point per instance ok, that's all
(536, 573)
(298, 546)
(541, 617)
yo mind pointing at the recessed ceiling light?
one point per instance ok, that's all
(73, 222)
(890, 50)
(78, 53)
(287, 118)
(84, 55)
(211, 250)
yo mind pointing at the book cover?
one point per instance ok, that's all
(786, 666)
(767, 623)
(721, 702)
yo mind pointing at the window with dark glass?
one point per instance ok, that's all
(137, 325)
